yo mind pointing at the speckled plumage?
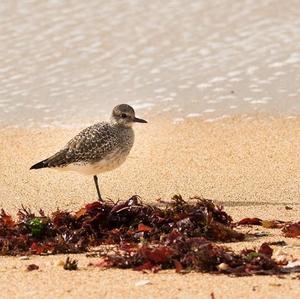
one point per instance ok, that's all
(94, 144)
(98, 148)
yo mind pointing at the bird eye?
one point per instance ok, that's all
(123, 115)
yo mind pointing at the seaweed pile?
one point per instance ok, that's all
(194, 254)
(180, 235)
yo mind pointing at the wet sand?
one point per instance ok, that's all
(250, 166)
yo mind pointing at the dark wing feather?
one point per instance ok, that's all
(91, 144)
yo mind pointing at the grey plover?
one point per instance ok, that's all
(98, 148)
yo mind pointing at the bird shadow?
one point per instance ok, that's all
(255, 203)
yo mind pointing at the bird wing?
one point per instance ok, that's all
(90, 145)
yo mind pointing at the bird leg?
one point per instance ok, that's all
(97, 188)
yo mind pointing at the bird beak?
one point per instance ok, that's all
(139, 120)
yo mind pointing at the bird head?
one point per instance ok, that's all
(124, 115)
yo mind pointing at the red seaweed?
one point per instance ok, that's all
(181, 235)
(250, 221)
(292, 230)
(32, 267)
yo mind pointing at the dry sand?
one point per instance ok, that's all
(251, 166)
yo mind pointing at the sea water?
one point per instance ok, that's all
(63, 62)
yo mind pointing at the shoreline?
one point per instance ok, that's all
(166, 117)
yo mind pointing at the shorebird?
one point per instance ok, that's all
(99, 148)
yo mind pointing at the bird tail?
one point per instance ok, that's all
(39, 165)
